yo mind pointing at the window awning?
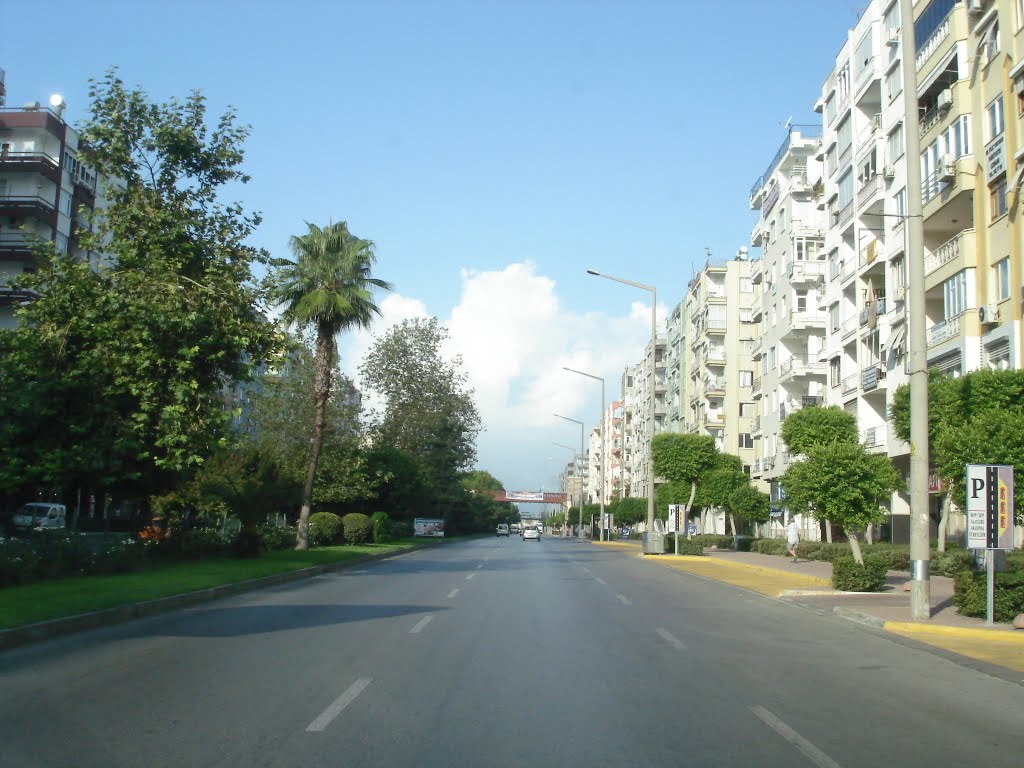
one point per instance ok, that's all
(897, 342)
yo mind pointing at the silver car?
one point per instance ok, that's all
(531, 532)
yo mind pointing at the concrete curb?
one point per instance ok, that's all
(46, 630)
(997, 634)
(858, 616)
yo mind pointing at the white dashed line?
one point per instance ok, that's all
(339, 704)
(420, 625)
(453, 593)
(624, 600)
(599, 580)
(814, 754)
(585, 569)
(671, 639)
(480, 566)
(470, 576)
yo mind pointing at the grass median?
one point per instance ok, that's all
(46, 600)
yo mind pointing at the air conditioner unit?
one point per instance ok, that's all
(889, 172)
(945, 100)
(947, 168)
(988, 314)
(974, 7)
(894, 40)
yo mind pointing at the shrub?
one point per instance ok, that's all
(769, 546)
(401, 529)
(381, 527)
(897, 556)
(276, 537)
(17, 562)
(357, 528)
(714, 540)
(196, 543)
(951, 562)
(119, 555)
(686, 546)
(61, 553)
(850, 576)
(970, 594)
(822, 550)
(325, 528)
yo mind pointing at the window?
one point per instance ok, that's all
(830, 108)
(746, 441)
(891, 22)
(990, 44)
(782, 220)
(831, 161)
(834, 369)
(900, 198)
(997, 198)
(894, 83)
(771, 358)
(65, 204)
(1020, 12)
(843, 83)
(801, 301)
(833, 317)
(995, 121)
(894, 145)
(746, 378)
(865, 52)
(867, 168)
(845, 190)
(746, 285)
(746, 316)
(844, 136)
(954, 295)
(898, 272)
(747, 410)
(771, 230)
(1002, 275)
(746, 345)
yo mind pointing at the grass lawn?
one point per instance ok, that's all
(43, 600)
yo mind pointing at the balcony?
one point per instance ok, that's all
(870, 192)
(35, 206)
(955, 254)
(31, 162)
(803, 272)
(806, 319)
(15, 246)
(798, 366)
(755, 388)
(714, 386)
(714, 356)
(875, 437)
(849, 384)
(756, 428)
(944, 331)
(850, 325)
(872, 376)
(954, 25)
(716, 325)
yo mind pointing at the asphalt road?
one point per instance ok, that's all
(499, 653)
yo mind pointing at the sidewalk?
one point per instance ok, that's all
(809, 583)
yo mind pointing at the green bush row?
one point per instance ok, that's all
(686, 546)
(970, 594)
(49, 555)
(850, 576)
(714, 540)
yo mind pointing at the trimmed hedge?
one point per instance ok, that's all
(769, 546)
(850, 576)
(358, 528)
(381, 527)
(325, 528)
(970, 594)
(714, 540)
(686, 546)
(274, 537)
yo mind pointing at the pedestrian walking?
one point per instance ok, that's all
(793, 537)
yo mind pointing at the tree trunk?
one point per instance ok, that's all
(855, 546)
(869, 534)
(732, 523)
(322, 391)
(947, 502)
(828, 531)
(689, 504)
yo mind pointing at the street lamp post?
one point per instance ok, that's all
(575, 464)
(650, 547)
(604, 442)
(579, 474)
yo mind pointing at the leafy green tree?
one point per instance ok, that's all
(817, 425)
(751, 504)
(718, 485)
(628, 511)
(427, 410)
(954, 406)
(487, 512)
(328, 287)
(841, 482)
(398, 484)
(134, 351)
(684, 458)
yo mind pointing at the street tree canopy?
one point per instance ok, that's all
(816, 425)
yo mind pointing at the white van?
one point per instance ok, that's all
(38, 515)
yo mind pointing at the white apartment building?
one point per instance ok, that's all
(719, 317)
(45, 191)
(789, 277)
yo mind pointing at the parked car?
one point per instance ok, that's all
(531, 533)
(502, 529)
(38, 515)
(515, 528)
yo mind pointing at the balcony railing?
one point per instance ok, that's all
(947, 329)
(945, 253)
(850, 325)
(874, 437)
(849, 384)
(928, 47)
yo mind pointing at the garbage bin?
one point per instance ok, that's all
(654, 543)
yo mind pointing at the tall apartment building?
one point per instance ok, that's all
(788, 373)
(636, 397)
(45, 192)
(677, 356)
(720, 331)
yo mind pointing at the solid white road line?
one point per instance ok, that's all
(671, 639)
(624, 600)
(453, 593)
(470, 576)
(599, 580)
(339, 704)
(420, 625)
(814, 754)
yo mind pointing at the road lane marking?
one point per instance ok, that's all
(671, 639)
(585, 569)
(420, 625)
(624, 600)
(470, 576)
(480, 566)
(339, 704)
(599, 580)
(814, 754)
(453, 593)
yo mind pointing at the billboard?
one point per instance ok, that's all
(428, 526)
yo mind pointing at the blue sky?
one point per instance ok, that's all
(492, 150)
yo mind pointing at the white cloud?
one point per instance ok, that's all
(515, 336)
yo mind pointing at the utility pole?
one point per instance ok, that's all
(917, 341)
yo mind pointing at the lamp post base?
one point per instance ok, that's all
(654, 543)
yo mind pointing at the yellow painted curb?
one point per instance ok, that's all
(1009, 637)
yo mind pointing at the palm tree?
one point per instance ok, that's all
(327, 287)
